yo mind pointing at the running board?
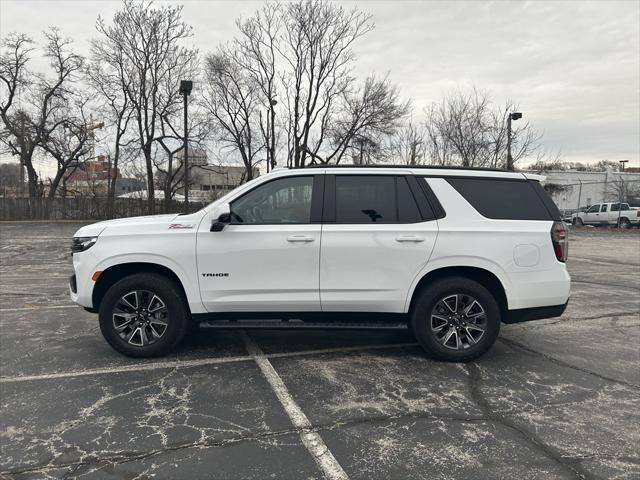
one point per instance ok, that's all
(299, 325)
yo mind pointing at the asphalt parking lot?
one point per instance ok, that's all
(553, 399)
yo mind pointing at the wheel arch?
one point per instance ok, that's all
(119, 271)
(481, 275)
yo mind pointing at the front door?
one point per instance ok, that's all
(267, 258)
(375, 241)
(593, 214)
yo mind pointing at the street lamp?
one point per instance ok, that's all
(271, 120)
(512, 116)
(622, 162)
(185, 89)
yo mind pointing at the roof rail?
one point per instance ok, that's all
(426, 167)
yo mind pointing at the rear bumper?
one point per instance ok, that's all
(535, 313)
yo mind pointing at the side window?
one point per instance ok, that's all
(503, 199)
(594, 209)
(285, 200)
(604, 208)
(624, 206)
(615, 207)
(365, 199)
(375, 199)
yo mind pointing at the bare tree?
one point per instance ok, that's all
(171, 141)
(107, 76)
(150, 43)
(408, 145)
(368, 113)
(9, 177)
(255, 51)
(69, 142)
(317, 47)
(29, 123)
(231, 98)
(620, 189)
(466, 129)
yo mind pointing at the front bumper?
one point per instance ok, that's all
(535, 313)
(80, 283)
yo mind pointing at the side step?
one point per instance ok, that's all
(299, 324)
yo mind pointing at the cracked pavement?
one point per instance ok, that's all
(554, 399)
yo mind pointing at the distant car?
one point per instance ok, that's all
(619, 214)
(453, 252)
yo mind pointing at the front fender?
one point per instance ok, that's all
(189, 282)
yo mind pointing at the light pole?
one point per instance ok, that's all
(512, 116)
(185, 89)
(622, 162)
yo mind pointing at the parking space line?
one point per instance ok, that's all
(38, 307)
(192, 363)
(311, 439)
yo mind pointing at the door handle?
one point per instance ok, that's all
(299, 238)
(409, 238)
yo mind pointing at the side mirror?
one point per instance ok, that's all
(222, 218)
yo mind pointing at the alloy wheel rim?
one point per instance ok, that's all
(458, 321)
(140, 318)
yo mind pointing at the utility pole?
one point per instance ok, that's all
(512, 116)
(185, 89)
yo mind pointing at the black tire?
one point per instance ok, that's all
(177, 319)
(624, 223)
(578, 222)
(429, 298)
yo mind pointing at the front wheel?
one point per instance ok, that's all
(456, 319)
(578, 222)
(144, 315)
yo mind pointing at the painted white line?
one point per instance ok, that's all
(36, 308)
(311, 439)
(191, 363)
(126, 368)
(17, 276)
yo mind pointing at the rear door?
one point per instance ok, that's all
(378, 233)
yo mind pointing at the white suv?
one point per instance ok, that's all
(453, 252)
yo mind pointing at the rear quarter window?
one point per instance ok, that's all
(506, 199)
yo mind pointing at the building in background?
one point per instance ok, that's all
(197, 157)
(572, 190)
(92, 178)
(209, 182)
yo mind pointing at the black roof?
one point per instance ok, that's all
(425, 167)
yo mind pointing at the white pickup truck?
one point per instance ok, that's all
(608, 214)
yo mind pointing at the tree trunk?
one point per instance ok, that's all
(111, 188)
(32, 179)
(151, 197)
(167, 185)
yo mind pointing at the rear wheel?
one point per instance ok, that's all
(456, 319)
(624, 223)
(144, 315)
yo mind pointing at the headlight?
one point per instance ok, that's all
(80, 244)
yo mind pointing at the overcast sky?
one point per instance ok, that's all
(574, 66)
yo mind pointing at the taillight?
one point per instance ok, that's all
(637, 213)
(560, 240)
